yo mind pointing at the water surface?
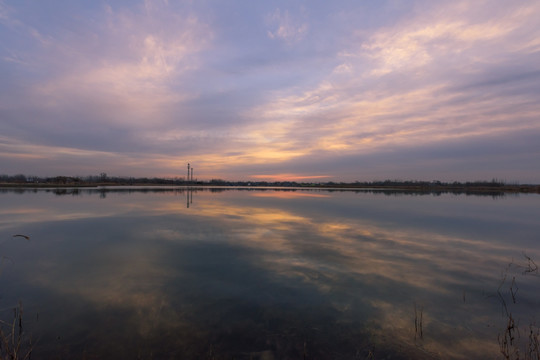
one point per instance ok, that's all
(269, 273)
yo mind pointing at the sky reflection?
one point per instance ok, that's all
(246, 272)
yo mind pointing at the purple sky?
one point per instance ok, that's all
(340, 90)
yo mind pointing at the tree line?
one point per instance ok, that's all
(104, 179)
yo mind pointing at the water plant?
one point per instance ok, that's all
(512, 345)
(14, 344)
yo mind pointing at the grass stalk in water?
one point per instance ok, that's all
(13, 343)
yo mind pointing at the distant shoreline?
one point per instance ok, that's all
(343, 186)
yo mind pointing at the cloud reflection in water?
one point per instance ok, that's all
(246, 272)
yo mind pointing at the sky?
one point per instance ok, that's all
(310, 91)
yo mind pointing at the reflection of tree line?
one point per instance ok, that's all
(103, 191)
(99, 191)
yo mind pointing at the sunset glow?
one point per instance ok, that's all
(289, 177)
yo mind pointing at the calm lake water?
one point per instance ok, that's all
(170, 273)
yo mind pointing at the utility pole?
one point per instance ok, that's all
(187, 172)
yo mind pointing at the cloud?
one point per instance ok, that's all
(107, 85)
(450, 33)
(139, 76)
(285, 27)
(414, 91)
